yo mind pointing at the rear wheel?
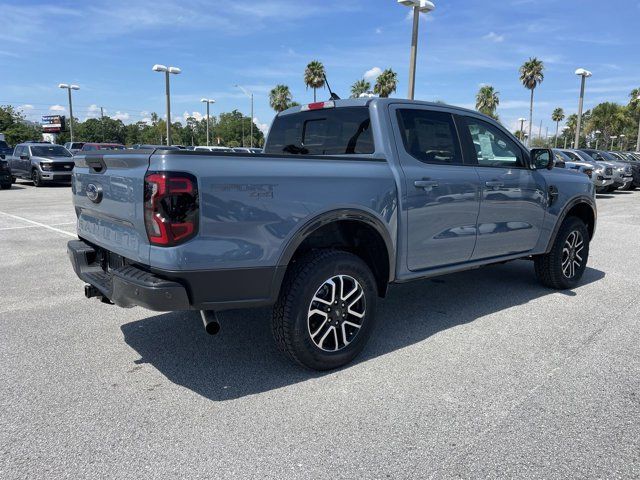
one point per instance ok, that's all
(36, 178)
(564, 265)
(326, 309)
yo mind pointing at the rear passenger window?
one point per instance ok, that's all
(330, 131)
(429, 136)
(493, 148)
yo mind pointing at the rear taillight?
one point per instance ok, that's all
(171, 207)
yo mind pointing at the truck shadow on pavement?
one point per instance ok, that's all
(243, 360)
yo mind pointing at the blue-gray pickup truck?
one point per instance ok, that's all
(348, 196)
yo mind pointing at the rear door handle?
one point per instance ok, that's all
(425, 184)
(494, 184)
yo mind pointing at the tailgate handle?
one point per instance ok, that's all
(96, 163)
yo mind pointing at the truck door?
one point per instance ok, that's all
(440, 199)
(17, 162)
(513, 203)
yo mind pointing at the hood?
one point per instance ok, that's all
(51, 159)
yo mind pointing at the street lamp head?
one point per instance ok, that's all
(522, 119)
(583, 73)
(174, 70)
(207, 100)
(425, 6)
(159, 68)
(63, 85)
(74, 87)
(613, 136)
(622, 135)
(597, 132)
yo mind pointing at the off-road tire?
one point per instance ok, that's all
(290, 326)
(549, 267)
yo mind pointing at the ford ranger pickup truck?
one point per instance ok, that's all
(348, 197)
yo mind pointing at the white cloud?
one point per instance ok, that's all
(26, 106)
(372, 74)
(57, 108)
(264, 127)
(494, 37)
(94, 111)
(378, 30)
(197, 115)
(120, 116)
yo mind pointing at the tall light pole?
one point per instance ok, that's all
(522, 120)
(581, 72)
(612, 137)
(208, 101)
(597, 133)
(167, 71)
(419, 6)
(250, 95)
(69, 88)
(638, 142)
(564, 131)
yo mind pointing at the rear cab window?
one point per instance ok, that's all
(330, 131)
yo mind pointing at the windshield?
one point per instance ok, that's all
(3, 144)
(50, 151)
(333, 131)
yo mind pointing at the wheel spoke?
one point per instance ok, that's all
(350, 309)
(332, 284)
(324, 337)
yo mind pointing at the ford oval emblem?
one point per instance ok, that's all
(94, 192)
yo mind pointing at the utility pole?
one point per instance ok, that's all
(584, 74)
(102, 121)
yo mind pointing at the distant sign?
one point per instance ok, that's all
(52, 123)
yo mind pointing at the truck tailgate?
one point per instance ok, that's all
(108, 195)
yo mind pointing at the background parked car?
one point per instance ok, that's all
(87, 147)
(74, 147)
(6, 178)
(622, 173)
(42, 163)
(201, 148)
(596, 172)
(247, 150)
(5, 149)
(146, 146)
(633, 163)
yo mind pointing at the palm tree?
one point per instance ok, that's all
(531, 75)
(280, 98)
(360, 87)
(487, 100)
(557, 116)
(635, 93)
(386, 84)
(314, 76)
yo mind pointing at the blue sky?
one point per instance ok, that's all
(109, 47)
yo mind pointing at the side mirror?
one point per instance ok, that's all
(541, 158)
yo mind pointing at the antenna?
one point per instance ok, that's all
(333, 95)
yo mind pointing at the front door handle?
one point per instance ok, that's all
(427, 185)
(495, 185)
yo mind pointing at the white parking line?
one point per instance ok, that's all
(38, 224)
(35, 226)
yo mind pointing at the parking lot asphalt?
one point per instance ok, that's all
(477, 374)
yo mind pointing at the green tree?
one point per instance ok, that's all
(557, 116)
(360, 87)
(487, 101)
(15, 127)
(531, 75)
(314, 76)
(280, 98)
(386, 84)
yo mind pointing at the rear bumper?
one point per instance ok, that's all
(127, 284)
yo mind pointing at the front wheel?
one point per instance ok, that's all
(563, 267)
(35, 177)
(326, 309)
